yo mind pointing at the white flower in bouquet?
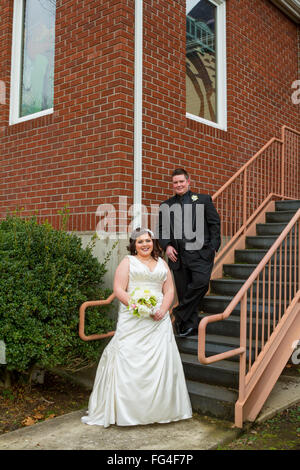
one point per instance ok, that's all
(142, 303)
(145, 311)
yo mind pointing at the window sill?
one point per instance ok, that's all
(30, 117)
(204, 121)
(206, 128)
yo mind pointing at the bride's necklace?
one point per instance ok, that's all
(145, 261)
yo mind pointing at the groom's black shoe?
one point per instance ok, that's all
(188, 332)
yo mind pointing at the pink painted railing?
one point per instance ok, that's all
(265, 300)
(98, 303)
(273, 289)
(83, 307)
(274, 170)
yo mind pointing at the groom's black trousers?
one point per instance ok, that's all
(192, 283)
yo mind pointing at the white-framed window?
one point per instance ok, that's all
(32, 65)
(206, 94)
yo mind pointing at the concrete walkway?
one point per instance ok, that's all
(199, 433)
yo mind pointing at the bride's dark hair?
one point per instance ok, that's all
(156, 252)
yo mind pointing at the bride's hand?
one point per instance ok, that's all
(158, 315)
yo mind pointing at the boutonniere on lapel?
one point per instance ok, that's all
(194, 197)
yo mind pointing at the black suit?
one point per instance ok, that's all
(194, 264)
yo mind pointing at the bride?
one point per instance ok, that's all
(140, 378)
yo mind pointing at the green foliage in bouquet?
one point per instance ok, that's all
(45, 275)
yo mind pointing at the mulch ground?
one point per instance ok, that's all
(23, 406)
(282, 432)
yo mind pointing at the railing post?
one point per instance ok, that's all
(242, 377)
(243, 344)
(83, 307)
(245, 199)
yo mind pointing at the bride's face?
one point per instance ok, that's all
(144, 245)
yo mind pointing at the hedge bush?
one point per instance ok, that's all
(45, 275)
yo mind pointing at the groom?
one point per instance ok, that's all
(189, 232)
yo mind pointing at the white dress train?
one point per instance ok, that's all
(140, 377)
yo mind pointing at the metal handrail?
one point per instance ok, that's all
(262, 175)
(280, 181)
(244, 167)
(238, 298)
(83, 307)
(246, 220)
(259, 331)
(252, 159)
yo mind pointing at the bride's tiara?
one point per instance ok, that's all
(140, 231)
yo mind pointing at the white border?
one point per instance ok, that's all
(221, 70)
(15, 76)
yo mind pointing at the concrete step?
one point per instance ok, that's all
(255, 255)
(266, 241)
(226, 286)
(212, 400)
(270, 229)
(231, 326)
(224, 373)
(292, 205)
(215, 344)
(218, 303)
(280, 216)
(243, 271)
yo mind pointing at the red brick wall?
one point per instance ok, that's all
(261, 66)
(82, 154)
(72, 157)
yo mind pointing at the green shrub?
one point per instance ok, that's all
(45, 275)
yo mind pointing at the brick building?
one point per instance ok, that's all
(103, 99)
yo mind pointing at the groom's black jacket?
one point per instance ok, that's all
(211, 223)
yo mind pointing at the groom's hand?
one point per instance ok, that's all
(171, 253)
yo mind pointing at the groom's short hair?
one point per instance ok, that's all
(180, 171)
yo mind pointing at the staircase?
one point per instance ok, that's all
(245, 341)
(213, 388)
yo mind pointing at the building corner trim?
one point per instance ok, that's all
(138, 111)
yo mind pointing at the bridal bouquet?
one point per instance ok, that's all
(142, 303)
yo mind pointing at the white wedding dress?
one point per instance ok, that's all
(140, 378)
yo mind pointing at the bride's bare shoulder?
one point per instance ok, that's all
(122, 268)
(124, 263)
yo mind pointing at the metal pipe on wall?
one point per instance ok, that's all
(138, 111)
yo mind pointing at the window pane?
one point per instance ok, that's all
(201, 60)
(38, 56)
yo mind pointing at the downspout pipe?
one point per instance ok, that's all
(138, 112)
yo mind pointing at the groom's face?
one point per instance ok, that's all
(180, 184)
